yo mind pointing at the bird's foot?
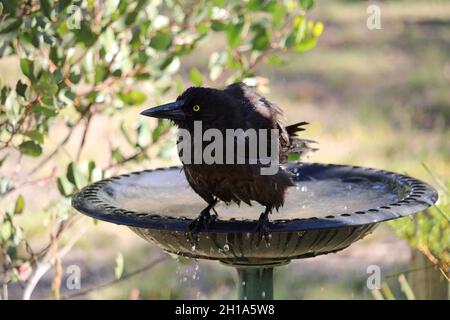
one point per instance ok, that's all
(201, 223)
(262, 228)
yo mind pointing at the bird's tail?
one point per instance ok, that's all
(293, 129)
(297, 145)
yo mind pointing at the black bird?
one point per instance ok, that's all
(235, 107)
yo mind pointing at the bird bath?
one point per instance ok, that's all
(330, 207)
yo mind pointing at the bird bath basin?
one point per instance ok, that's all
(330, 207)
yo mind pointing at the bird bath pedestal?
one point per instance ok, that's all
(330, 207)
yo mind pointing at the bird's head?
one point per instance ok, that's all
(213, 107)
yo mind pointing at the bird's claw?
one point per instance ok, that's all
(262, 228)
(201, 223)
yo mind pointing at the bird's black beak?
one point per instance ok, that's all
(171, 111)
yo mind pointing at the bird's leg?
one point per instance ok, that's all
(203, 220)
(262, 228)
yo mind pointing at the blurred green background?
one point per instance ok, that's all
(377, 98)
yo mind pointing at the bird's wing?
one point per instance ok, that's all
(260, 113)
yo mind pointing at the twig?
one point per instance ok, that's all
(83, 139)
(55, 151)
(115, 281)
(436, 179)
(132, 157)
(46, 264)
(394, 275)
(24, 183)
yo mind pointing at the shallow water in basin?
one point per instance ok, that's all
(167, 192)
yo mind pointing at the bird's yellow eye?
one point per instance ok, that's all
(196, 108)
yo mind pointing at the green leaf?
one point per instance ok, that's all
(5, 231)
(125, 134)
(196, 77)
(30, 148)
(45, 111)
(306, 44)
(10, 25)
(117, 155)
(276, 60)
(318, 29)
(118, 269)
(161, 41)
(27, 67)
(62, 4)
(179, 84)
(234, 34)
(307, 4)
(20, 205)
(54, 56)
(46, 7)
(46, 85)
(216, 64)
(21, 88)
(217, 25)
(133, 97)
(75, 176)
(2, 160)
(161, 128)
(143, 134)
(35, 136)
(261, 39)
(90, 169)
(278, 16)
(64, 186)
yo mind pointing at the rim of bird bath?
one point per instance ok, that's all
(233, 241)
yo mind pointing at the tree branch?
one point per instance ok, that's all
(115, 281)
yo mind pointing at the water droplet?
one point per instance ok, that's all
(263, 294)
(226, 247)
